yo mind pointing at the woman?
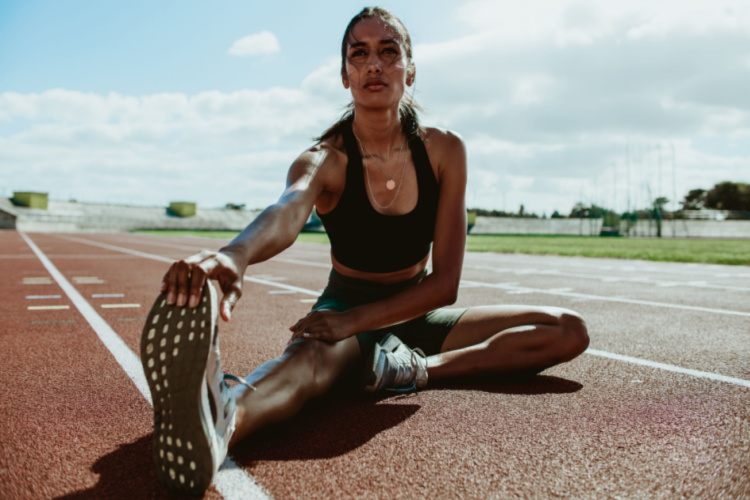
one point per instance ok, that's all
(386, 188)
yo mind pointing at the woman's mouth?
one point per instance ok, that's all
(375, 85)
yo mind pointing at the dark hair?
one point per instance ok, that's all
(408, 108)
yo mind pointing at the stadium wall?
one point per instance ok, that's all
(91, 217)
(518, 225)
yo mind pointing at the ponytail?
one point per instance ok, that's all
(408, 113)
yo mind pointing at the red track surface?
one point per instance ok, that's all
(76, 425)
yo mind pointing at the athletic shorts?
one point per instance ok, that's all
(427, 332)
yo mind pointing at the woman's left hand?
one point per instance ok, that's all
(324, 324)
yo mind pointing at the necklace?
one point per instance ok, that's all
(390, 183)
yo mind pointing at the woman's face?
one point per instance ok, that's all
(377, 69)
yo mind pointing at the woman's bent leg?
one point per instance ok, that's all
(508, 339)
(307, 369)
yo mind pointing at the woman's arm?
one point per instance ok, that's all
(439, 288)
(275, 229)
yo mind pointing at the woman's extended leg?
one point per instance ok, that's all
(308, 368)
(507, 339)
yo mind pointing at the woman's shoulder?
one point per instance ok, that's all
(441, 139)
(443, 146)
(326, 158)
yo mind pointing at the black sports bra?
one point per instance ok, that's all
(366, 240)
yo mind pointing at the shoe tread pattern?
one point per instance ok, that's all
(174, 350)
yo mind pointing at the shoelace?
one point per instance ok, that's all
(403, 373)
(234, 378)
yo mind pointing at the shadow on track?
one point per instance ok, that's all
(325, 428)
(341, 422)
(522, 385)
(126, 473)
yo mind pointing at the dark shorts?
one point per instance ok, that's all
(426, 332)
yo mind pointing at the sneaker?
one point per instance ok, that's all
(194, 410)
(395, 367)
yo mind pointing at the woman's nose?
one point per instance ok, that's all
(373, 64)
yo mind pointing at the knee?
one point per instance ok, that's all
(575, 336)
(306, 356)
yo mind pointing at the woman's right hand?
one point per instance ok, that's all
(184, 280)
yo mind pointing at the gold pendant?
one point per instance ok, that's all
(391, 184)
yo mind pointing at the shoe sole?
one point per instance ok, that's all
(175, 345)
(373, 373)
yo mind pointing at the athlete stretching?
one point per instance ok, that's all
(388, 191)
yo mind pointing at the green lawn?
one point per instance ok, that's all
(733, 252)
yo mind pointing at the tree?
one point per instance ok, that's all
(729, 195)
(694, 200)
(579, 211)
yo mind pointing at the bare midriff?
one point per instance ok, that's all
(384, 278)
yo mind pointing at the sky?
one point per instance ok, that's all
(558, 101)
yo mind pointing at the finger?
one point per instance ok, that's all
(183, 277)
(165, 281)
(172, 284)
(228, 302)
(197, 280)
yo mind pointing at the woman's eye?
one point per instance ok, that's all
(357, 53)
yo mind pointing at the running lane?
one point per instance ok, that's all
(596, 427)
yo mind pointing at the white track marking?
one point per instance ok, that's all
(607, 279)
(670, 368)
(122, 353)
(107, 295)
(282, 285)
(119, 306)
(232, 481)
(47, 308)
(619, 357)
(34, 297)
(516, 289)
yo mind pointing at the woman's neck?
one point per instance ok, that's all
(379, 129)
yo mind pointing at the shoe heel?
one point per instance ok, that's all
(390, 343)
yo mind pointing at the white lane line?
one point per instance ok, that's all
(515, 289)
(34, 297)
(47, 308)
(670, 368)
(119, 306)
(619, 357)
(610, 279)
(279, 292)
(122, 353)
(232, 481)
(107, 295)
(282, 285)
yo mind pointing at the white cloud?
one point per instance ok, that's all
(257, 44)
(546, 94)
(212, 147)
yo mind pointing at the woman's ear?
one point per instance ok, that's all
(411, 75)
(345, 80)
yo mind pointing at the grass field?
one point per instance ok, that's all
(732, 252)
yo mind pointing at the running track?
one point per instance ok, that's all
(657, 408)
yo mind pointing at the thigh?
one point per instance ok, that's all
(480, 323)
(429, 332)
